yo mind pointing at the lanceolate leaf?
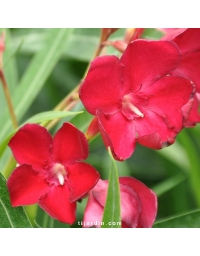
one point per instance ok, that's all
(10, 217)
(81, 44)
(36, 75)
(112, 215)
(188, 220)
(50, 115)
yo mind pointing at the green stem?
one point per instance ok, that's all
(73, 96)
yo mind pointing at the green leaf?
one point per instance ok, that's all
(50, 115)
(43, 220)
(193, 157)
(112, 214)
(81, 44)
(10, 217)
(36, 75)
(152, 33)
(168, 184)
(188, 220)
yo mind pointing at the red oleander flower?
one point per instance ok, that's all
(135, 99)
(138, 204)
(188, 41)
(50, 171)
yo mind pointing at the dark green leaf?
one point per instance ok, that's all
(10, 217)
(188, 220)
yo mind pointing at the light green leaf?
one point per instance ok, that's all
(36, 75)
(168, 184)
(188, 220)
(81, 44)
(10, 217)
(50, 115)
(112, 214)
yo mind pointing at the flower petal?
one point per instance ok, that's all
(189, 67)
(153, 131)
(93, 213)
(146, 61)
(82, 178)
(26, 186)
(102, 86)
(69, 145)
(167, 97)
(56, 203)
(130, 203)
(118, 133)
(194, 116)
(32, 145)
(148, 199)
(93, 129)
(186, 39)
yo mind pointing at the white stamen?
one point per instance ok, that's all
(60, 178)
(136, 110)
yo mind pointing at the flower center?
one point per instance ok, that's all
(57, 174)
(129, 109)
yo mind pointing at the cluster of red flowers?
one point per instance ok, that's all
(147, 96)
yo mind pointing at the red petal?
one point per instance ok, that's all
(189, 67)
(130, 203)
(93, 213)
(118, 133)
(26, 186)
(153, 131)
(102, 88)
(93, 129)
(130, 206)
(167, 30)
(69, 145)
(146, 61)
(194, 116)
(148, 199)
(167, 96)
(56, 203)
(82, 178)
(32, 145)
(186, 39)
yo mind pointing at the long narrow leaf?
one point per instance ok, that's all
(36, 75)
(112, 214)
(188, 220)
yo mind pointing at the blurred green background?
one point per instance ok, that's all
(173, 173)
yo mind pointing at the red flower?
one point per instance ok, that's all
(50, 173)
(138, 204)
(135, 99)
(188, 41)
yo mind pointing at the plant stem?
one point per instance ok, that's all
(73, 97)
(55, 121)
(8, 99)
